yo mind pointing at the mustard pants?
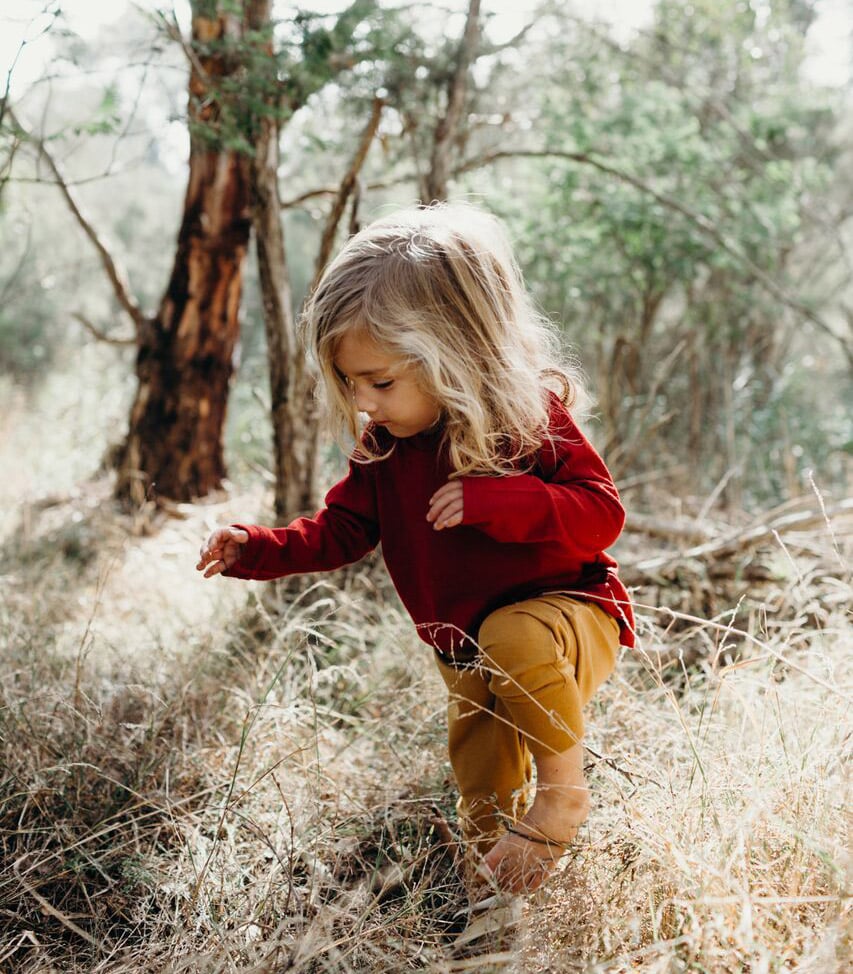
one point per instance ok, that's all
(539, 662)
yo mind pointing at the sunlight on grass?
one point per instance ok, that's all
(221, 784)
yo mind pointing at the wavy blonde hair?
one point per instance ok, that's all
(440, 289)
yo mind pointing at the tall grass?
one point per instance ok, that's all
(195, 779)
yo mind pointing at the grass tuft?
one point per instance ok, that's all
(213, 777)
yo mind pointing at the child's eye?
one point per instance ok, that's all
(383, 385)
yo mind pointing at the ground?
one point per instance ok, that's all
(201, 776)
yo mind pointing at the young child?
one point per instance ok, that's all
(493, 510)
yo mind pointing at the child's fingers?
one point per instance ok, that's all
(212, 543)
(446, 505)
(446, 514)
(208, 556)
(453, 488)
(213, 548)
(204, 556)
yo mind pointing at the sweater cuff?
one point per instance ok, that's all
(246, 565)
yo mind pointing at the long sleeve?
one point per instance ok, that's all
(341, 533)
(569, 499)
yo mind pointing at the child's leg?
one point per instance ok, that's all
(489, 757)
(544, 658)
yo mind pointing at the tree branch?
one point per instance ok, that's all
(345, 191)
(312, 194)
(114, 272)
(4, 100)
(583, 158)
(448, 124)
(174, 33)
(516, 39)
(102, 336)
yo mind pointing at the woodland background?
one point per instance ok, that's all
(212, 776)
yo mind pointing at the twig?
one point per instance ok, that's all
(611, 763)
(174, 32)
(102, 336)
(331, 190)
(50, 909)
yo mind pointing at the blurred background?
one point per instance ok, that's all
(676, 178)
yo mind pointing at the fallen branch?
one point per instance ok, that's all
(741, 541)
(653, 527)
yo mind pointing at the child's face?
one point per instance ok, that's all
(384, 387)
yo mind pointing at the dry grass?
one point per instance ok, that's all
(191, 785)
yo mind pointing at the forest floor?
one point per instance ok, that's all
(210, 776)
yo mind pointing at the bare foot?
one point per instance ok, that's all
(519, 865)
(524, 858)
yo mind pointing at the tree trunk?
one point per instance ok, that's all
(294, 411)
(293, 407)
(184, 363)
(447, 129)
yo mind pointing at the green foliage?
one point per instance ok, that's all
(29, 337)
(678, 247)
(107, 119)
(257, 77)
(707, 155)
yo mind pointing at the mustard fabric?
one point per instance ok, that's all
(539, 662)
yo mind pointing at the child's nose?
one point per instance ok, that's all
(364, 402)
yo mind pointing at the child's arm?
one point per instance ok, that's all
(573, 502)
(344, 531)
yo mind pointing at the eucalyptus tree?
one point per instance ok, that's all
(242, 89)
(185, 350)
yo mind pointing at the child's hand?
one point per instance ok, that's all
(445, 506)
(221, 550)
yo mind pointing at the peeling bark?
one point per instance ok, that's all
(184, 362)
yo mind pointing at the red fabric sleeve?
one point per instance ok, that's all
(570, 498)
(344, 531)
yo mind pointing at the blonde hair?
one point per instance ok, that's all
(440, 289)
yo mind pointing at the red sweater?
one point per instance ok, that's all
(521, 535)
